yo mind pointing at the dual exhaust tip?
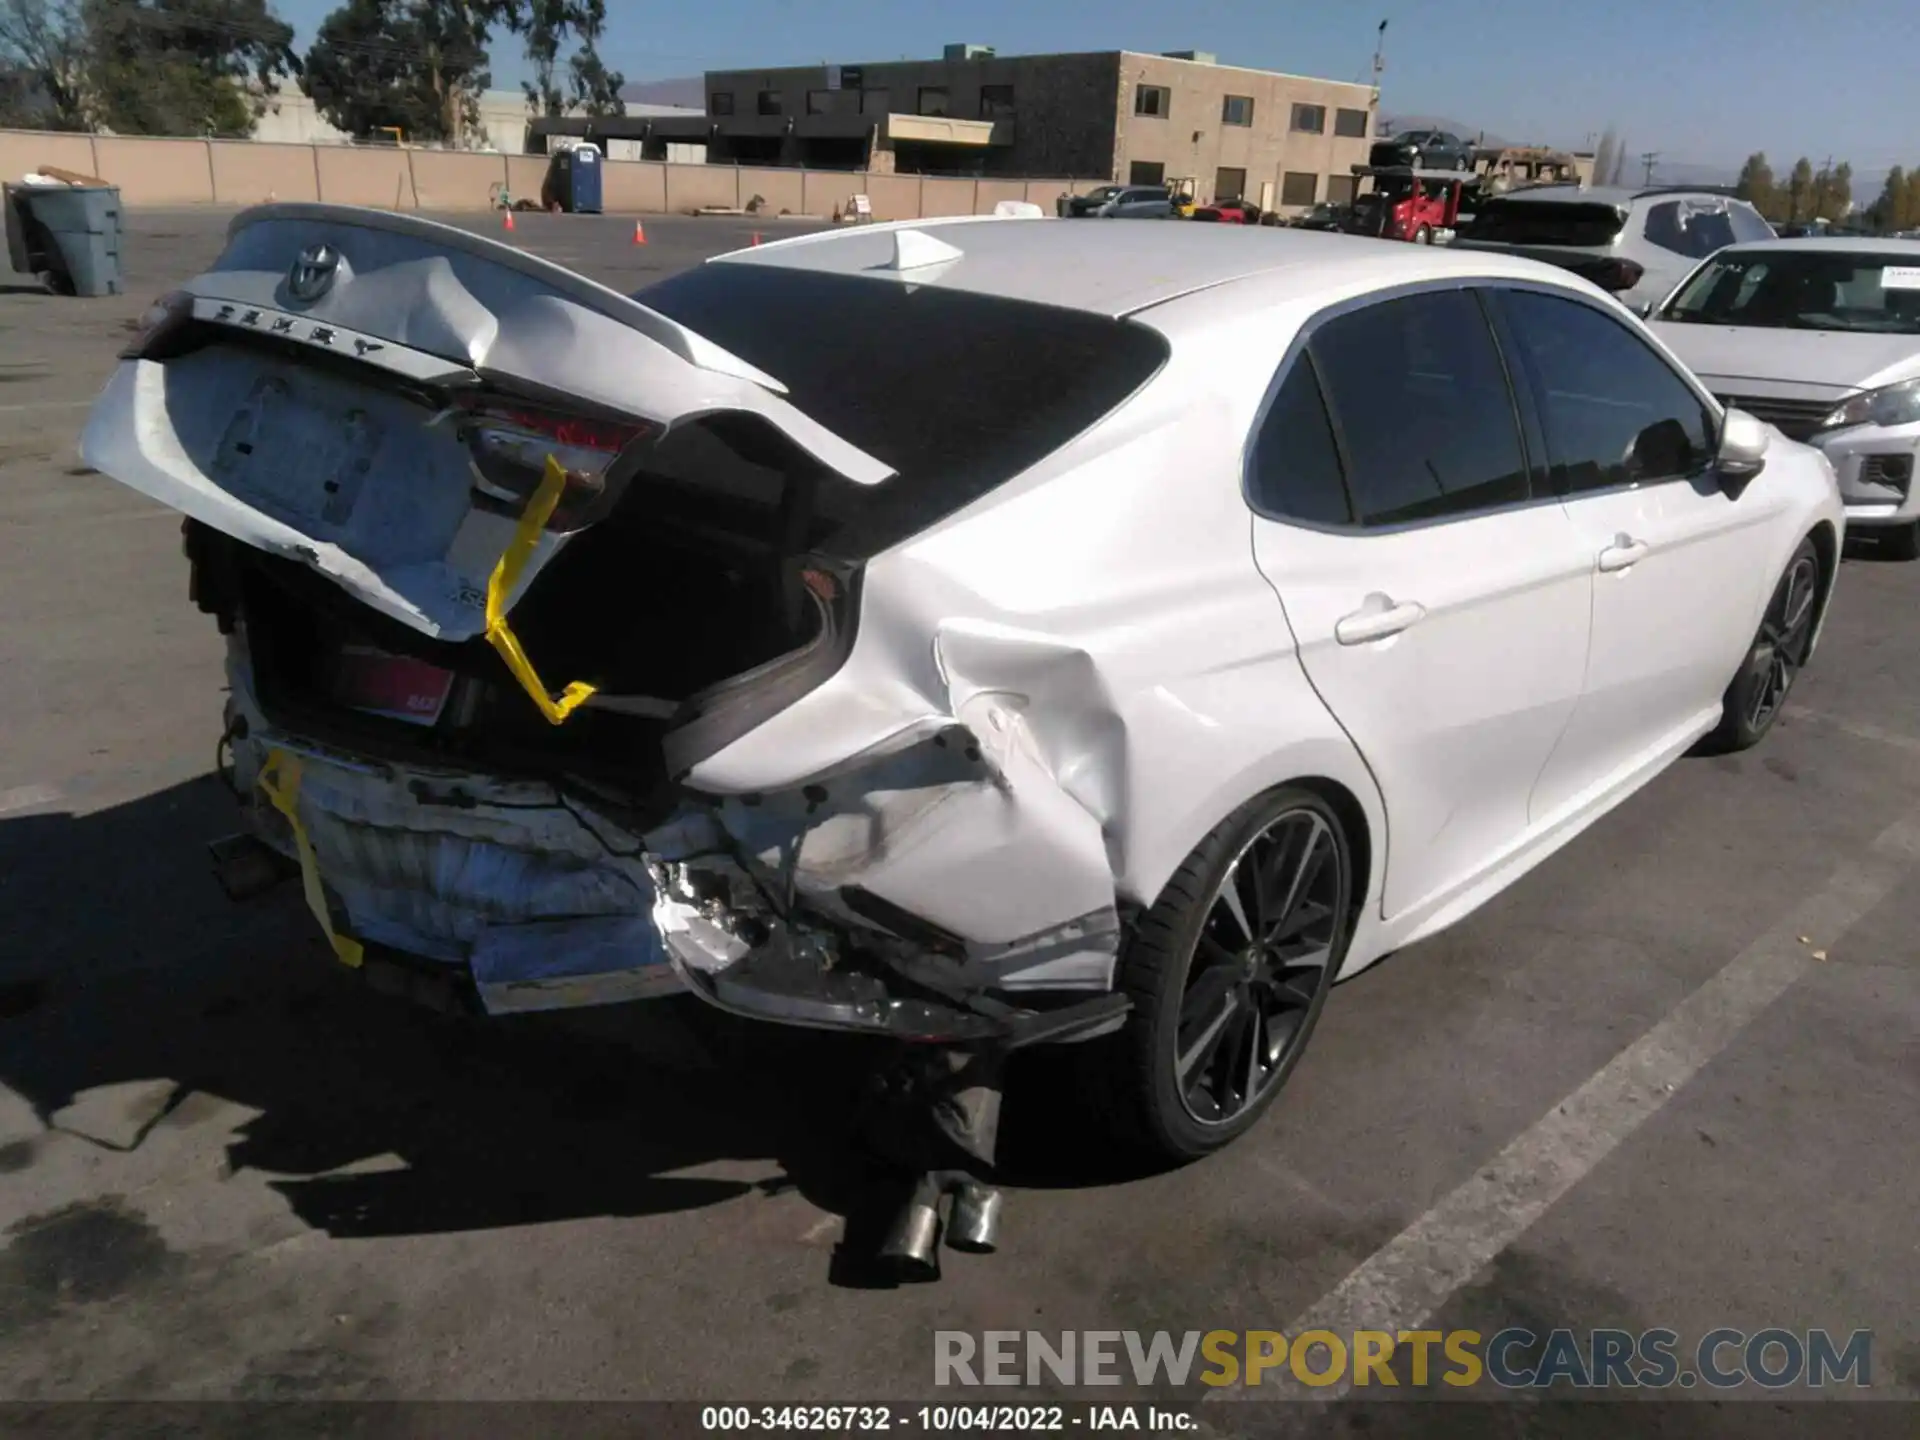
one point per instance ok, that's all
(972, 1224)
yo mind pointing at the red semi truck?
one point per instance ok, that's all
(1405, 203)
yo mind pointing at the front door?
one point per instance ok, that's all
(1439, 607)
(1679, 565)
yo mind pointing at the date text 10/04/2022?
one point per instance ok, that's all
(943, 1419)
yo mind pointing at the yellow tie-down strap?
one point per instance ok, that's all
(506, 575)
(280, 778)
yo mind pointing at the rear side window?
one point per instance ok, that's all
(1546, 222)
(1614, 411)
(1420, 399)
(1296, 464)
(1690, 227)
(958, 392)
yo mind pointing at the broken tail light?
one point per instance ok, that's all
(508, 446)
(165, 321)
(1615, 276)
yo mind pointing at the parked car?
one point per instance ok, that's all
(1424, 150)
(1636, 243)
(1820, 337)
(1229, 212)
(1123, 202)
(1324, 216)
(583, 647)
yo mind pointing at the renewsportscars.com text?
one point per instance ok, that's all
(1512, 1359)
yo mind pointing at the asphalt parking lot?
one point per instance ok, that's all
(228, 1170)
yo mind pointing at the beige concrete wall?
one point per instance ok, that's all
(449, 180)
(895, 197)
(783, 190)
(826, 190)
(524, 175)
(945, 197)
(245, 173)
(156, 172)
(371, 176)
(988, 193)
(22, 151)
(696, 187)
(1192, 140)
(632, 186)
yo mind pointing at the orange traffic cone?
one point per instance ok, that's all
(639, 233)
(756, 237)
(507, 224)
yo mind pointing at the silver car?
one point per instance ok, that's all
(1123, 202)
(1637, 243)
(1822, 338)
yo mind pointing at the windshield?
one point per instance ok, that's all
(1105, 192)
(1546, 222)
(1855, 291)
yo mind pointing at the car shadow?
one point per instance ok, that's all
(125, 963)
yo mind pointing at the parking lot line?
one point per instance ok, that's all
(1402, 1285)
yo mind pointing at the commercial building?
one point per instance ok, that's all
(1181, 119)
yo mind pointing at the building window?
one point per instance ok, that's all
(1350, 124)
(1146, 172)
(1229, 183)
(720, 103)
(1299, 187)
(1154, 100)
(771, 102)
(1236, 110)
(933, 100)
(1341, 189)
(1310, 119)
(820, 102)
(996, 101)
(874, 102)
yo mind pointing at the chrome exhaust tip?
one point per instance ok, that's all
(912, 1246)
(973, 1227)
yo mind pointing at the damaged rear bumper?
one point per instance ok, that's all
(529, 897)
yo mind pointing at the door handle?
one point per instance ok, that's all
(1376, 619)
(1622, 553)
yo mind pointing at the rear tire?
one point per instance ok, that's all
(1758, 694)
(1900, 542)
(1228, 973)
(1423, 236)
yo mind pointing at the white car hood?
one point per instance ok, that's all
(1829, 359)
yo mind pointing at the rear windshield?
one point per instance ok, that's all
(957, 392)
(1546, 222)
(1804, 290)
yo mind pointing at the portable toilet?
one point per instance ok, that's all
(573, 180)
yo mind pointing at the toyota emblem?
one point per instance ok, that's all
(312, 274)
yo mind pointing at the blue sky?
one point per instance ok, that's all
(1702, 81)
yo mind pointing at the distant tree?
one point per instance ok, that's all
(1755, 184)
(379, 64)
(1836, 192)
(592, 87)
(1800, 191)
(1910, 214)
(43, 50)
(1888, 211)
(184, 67)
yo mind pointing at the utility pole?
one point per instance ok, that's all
(1379, 64)
(1647, 157)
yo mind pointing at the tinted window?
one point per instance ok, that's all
(1310, 119)
(1546, 222)
(1421, 398)
(1350, 124)
(957, 392)
(1296, 466)
(1146, 172)
(1749, 224)
(1152, 100)
(1297, 187)
(1236, 110)
(1615, 413)
(1788, 289)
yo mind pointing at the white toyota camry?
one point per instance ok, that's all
(974, 632)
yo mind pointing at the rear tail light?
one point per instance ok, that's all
(1617, 276)
(508, 446)
(165, 321)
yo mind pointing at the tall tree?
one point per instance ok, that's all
(1800, 190)
(1889, 210)
(1755, 184)
(546, 25)
(1910, 216)
(1836, 192)
(380, 64)
(43, 46)
(184, 67)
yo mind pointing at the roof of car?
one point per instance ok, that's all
(1117, 267)
(1838, 244)
(1610, 194)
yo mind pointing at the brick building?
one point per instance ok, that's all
(1181, 119)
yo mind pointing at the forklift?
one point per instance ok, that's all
(1405, 202)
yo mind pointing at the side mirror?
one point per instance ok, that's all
(1743, 446)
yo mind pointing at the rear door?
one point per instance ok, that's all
(1440, 609)
(1679, 565)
